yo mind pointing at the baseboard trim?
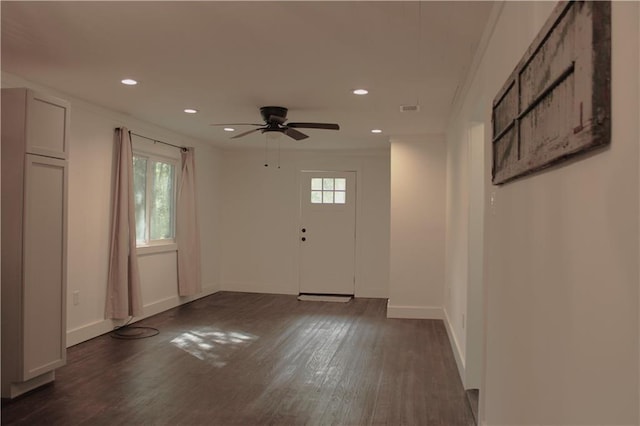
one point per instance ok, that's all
(97, 328)
(89, 331)
(414, 312)
(14, 390)
(455, 348)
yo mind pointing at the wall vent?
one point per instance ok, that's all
(409, 108)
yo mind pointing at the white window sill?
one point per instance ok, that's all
(156, 248)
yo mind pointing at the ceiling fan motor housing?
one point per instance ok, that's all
(269, 111)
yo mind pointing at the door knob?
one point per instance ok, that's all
(303, 239)
(304, 229)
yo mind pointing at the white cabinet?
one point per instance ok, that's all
(34, 242)
(47, 120)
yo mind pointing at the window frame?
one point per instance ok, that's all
(332, 191)
(165, 244)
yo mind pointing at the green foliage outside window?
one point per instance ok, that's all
(154, 199)
(162, 210)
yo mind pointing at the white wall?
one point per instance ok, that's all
(90, 182)
(561, 253)
(261, 210)
(416, 279)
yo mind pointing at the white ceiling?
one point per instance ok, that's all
(227, 59)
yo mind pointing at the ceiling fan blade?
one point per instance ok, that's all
(293, 133)
(246, 133)
(327, 126)
(235, 124)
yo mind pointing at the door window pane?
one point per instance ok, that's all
(316, 197)
(339, 197)
(327, 184)
(316, 184)
(340, 184)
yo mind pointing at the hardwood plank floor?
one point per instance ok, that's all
(258, 359)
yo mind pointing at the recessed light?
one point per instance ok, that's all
(129, 82)
(190, 110)
(376, 131)
(229, 129)
(360, 91)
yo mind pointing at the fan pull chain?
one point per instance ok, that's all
(419, 52)
(278, 153)
(266, 151)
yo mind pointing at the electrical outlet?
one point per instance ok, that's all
(76, 297)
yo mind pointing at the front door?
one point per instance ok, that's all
(326, 234)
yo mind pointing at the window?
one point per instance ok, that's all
(154, 182)
(328, 190)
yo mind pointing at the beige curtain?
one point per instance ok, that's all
(187, 230)
(123, 286)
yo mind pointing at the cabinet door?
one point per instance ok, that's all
(47, 125)
(44, 287)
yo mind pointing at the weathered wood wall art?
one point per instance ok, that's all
(556, 103)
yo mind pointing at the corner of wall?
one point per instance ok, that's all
(455, 347)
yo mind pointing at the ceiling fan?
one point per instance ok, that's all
(274, 121)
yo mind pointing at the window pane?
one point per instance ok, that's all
(327, 184)
(162, 205)
(327, 198)
(339, 197)
(316, 197)
(140, 195)
(341, 184)
(316, 184)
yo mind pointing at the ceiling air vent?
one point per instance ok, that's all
(409, 108)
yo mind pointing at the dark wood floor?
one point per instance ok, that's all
(257, 359)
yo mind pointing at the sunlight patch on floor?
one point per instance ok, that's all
(213, 345)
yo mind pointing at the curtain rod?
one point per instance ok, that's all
(182, 148)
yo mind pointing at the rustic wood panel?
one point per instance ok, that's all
(259, 359)
(556, 103)
(505, 109)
